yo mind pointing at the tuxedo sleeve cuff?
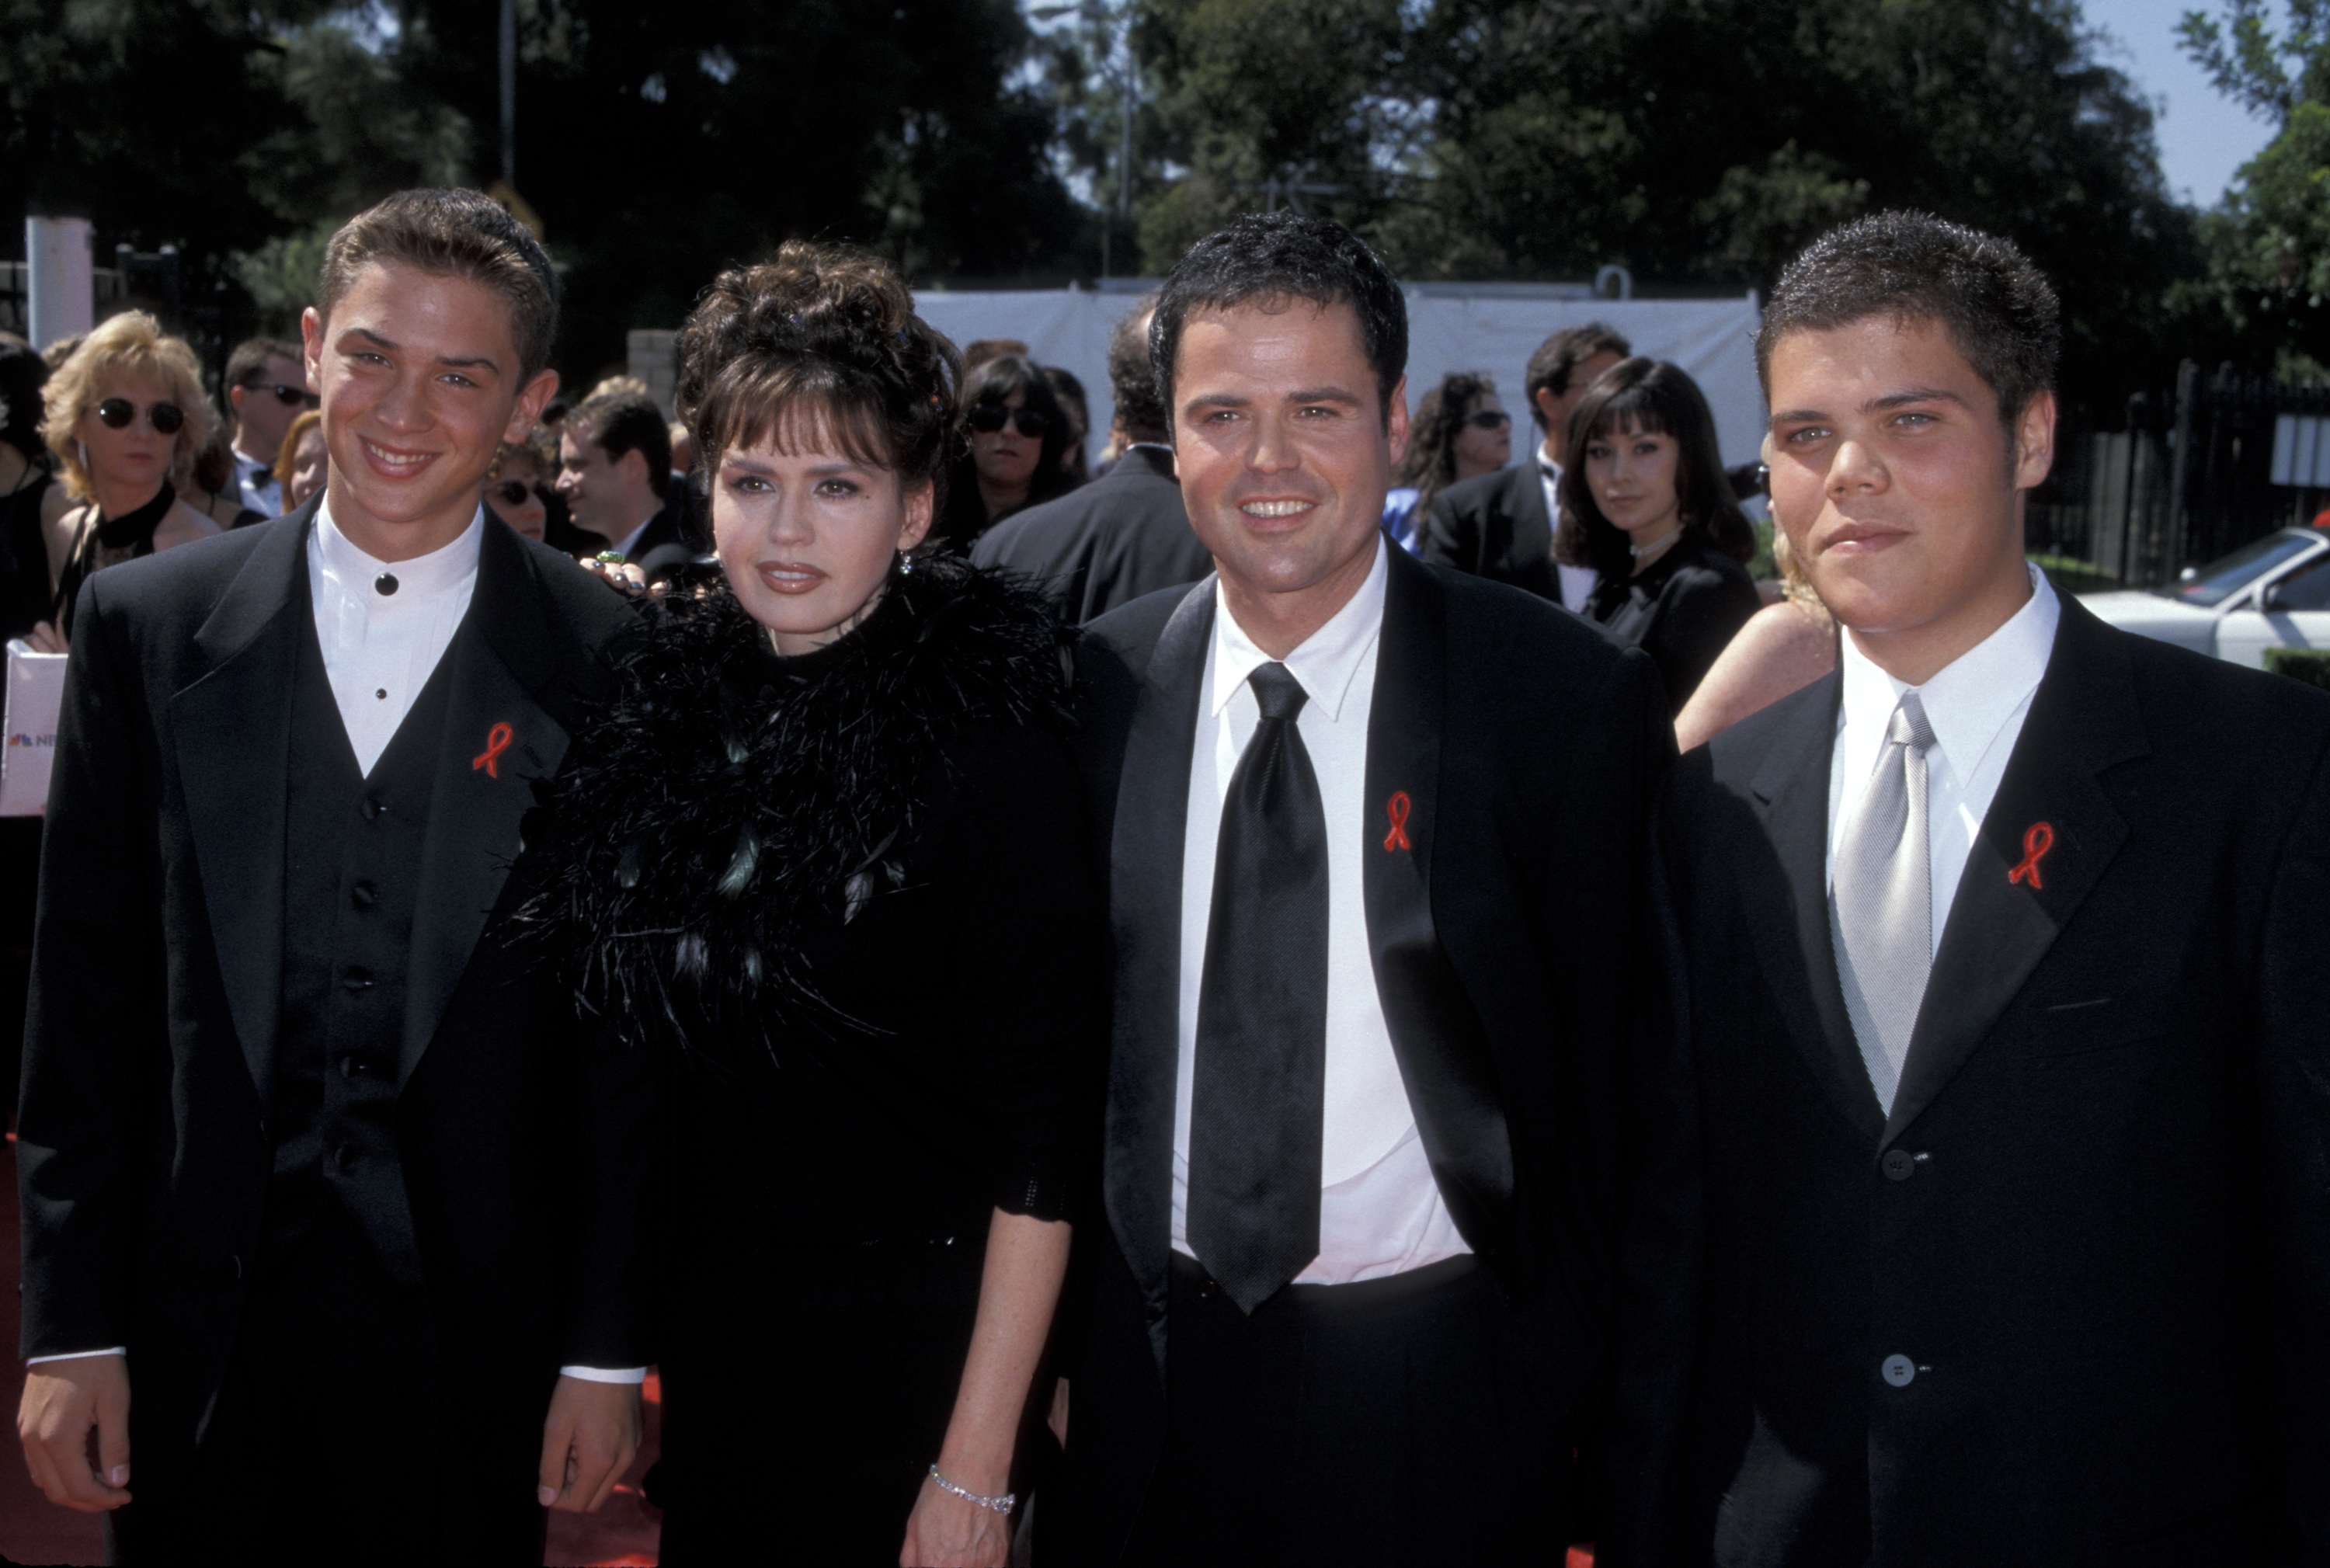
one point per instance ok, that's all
(77, 1355)
(605, 1375)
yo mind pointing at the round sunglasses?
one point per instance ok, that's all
(988, 418)
(1488, 420)
(514, 492)
(115, 414)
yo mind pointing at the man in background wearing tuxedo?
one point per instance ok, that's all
(1373, 833)
(1989, 1223)
(312, 1162)
(1500, 525)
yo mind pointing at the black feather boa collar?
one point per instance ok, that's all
(728, 796)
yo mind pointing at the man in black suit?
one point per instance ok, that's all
(614, 471)
(304, 1140)
(1373, 980)
(1500, 525)
(1124, 534)
(1991, 1225)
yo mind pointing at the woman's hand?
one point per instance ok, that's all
(946, 1532)
(45, 638)
(623, 575)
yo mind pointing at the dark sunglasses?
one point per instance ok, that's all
(291, 397)
(514, 492)
(165, 418)
(988, 418)
(1489, 420)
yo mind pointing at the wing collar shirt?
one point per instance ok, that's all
(1380, 1210)
(1577, 582)
(1976, 705)
(260, 490)
(380, 648)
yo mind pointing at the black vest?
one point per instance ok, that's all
(351, 875)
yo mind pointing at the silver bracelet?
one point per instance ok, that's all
(1002, 1505)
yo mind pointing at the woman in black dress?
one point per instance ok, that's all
(826, 855)
(1644, 501)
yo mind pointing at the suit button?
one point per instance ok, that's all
(230, 1267)
(350, 1067)
(372, 808)
(357, 980)
(1899, 1370)
(1898, 1165)
(1208, 1290)
(344, 1159)
(363, 895)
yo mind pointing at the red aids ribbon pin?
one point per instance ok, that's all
(497, 741)
(2037, 840)
(1398, 837)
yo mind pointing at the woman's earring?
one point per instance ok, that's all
(906, 564)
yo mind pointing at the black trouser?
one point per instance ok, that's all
(1349, 1425)
(335, 1439)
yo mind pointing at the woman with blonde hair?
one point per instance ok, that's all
(125, 417)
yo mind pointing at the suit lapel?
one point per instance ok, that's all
(1443, 1055)
(2083, 720)
(231, 732)
(497, 740)
(1152, 810)
(1799, 954)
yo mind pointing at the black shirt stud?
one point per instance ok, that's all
(385, 583)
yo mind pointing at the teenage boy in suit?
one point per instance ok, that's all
(1991, 1223)
(311, 1158)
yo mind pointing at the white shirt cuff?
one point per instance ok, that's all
(605, 1375)
(77, 1355)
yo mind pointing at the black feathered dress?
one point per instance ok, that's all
(847, 899)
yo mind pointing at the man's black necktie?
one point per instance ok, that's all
(1259, 1102)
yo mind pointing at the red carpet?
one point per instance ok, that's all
(35, 1530)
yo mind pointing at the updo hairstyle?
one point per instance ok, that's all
(819, 347)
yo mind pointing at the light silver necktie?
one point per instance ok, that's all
(1881, 906)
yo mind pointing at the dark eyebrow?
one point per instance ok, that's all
(471, 362)
(1325, 395)
(1921, 395)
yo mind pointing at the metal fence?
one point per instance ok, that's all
(2199, 471)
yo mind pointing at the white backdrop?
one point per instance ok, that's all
(1491, 331)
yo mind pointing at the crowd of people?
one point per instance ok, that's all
(1196, 1015)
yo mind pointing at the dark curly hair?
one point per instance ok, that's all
(1659, 398)
(821, 345)
(1430, 461)
(1999, 310)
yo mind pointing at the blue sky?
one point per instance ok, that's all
(2204, 137)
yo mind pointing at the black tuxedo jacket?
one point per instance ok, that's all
(668, 544)
(1528, 746)
(145, 1148)
(1124, 536)
(2096, 1222)
(1495, 526)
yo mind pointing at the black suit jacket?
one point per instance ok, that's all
(669, 543)
(1495, 526)
(1503, 945)
(1121, 536)
(2097, 1220)
(144, 1151)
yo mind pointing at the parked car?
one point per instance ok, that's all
(2273, 593)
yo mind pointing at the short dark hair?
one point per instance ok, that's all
(1140, 413)
(248, 363)
(456, 233)
(1270, 258)
(993, 383)
(822, 340)
(1652, 395)
(23, 373)
(1998, 308)
(626, 422)
(1558, 357)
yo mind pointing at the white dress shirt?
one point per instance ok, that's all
(255, 485)
(1976, 705)
(380, 648)
(1577, 582)
(1379, 1209)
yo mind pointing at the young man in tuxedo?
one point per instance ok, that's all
(1500, 525)
(1373, 831)
(326, 1199)
(1991, 1225)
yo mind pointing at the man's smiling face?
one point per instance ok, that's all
(420, 381)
